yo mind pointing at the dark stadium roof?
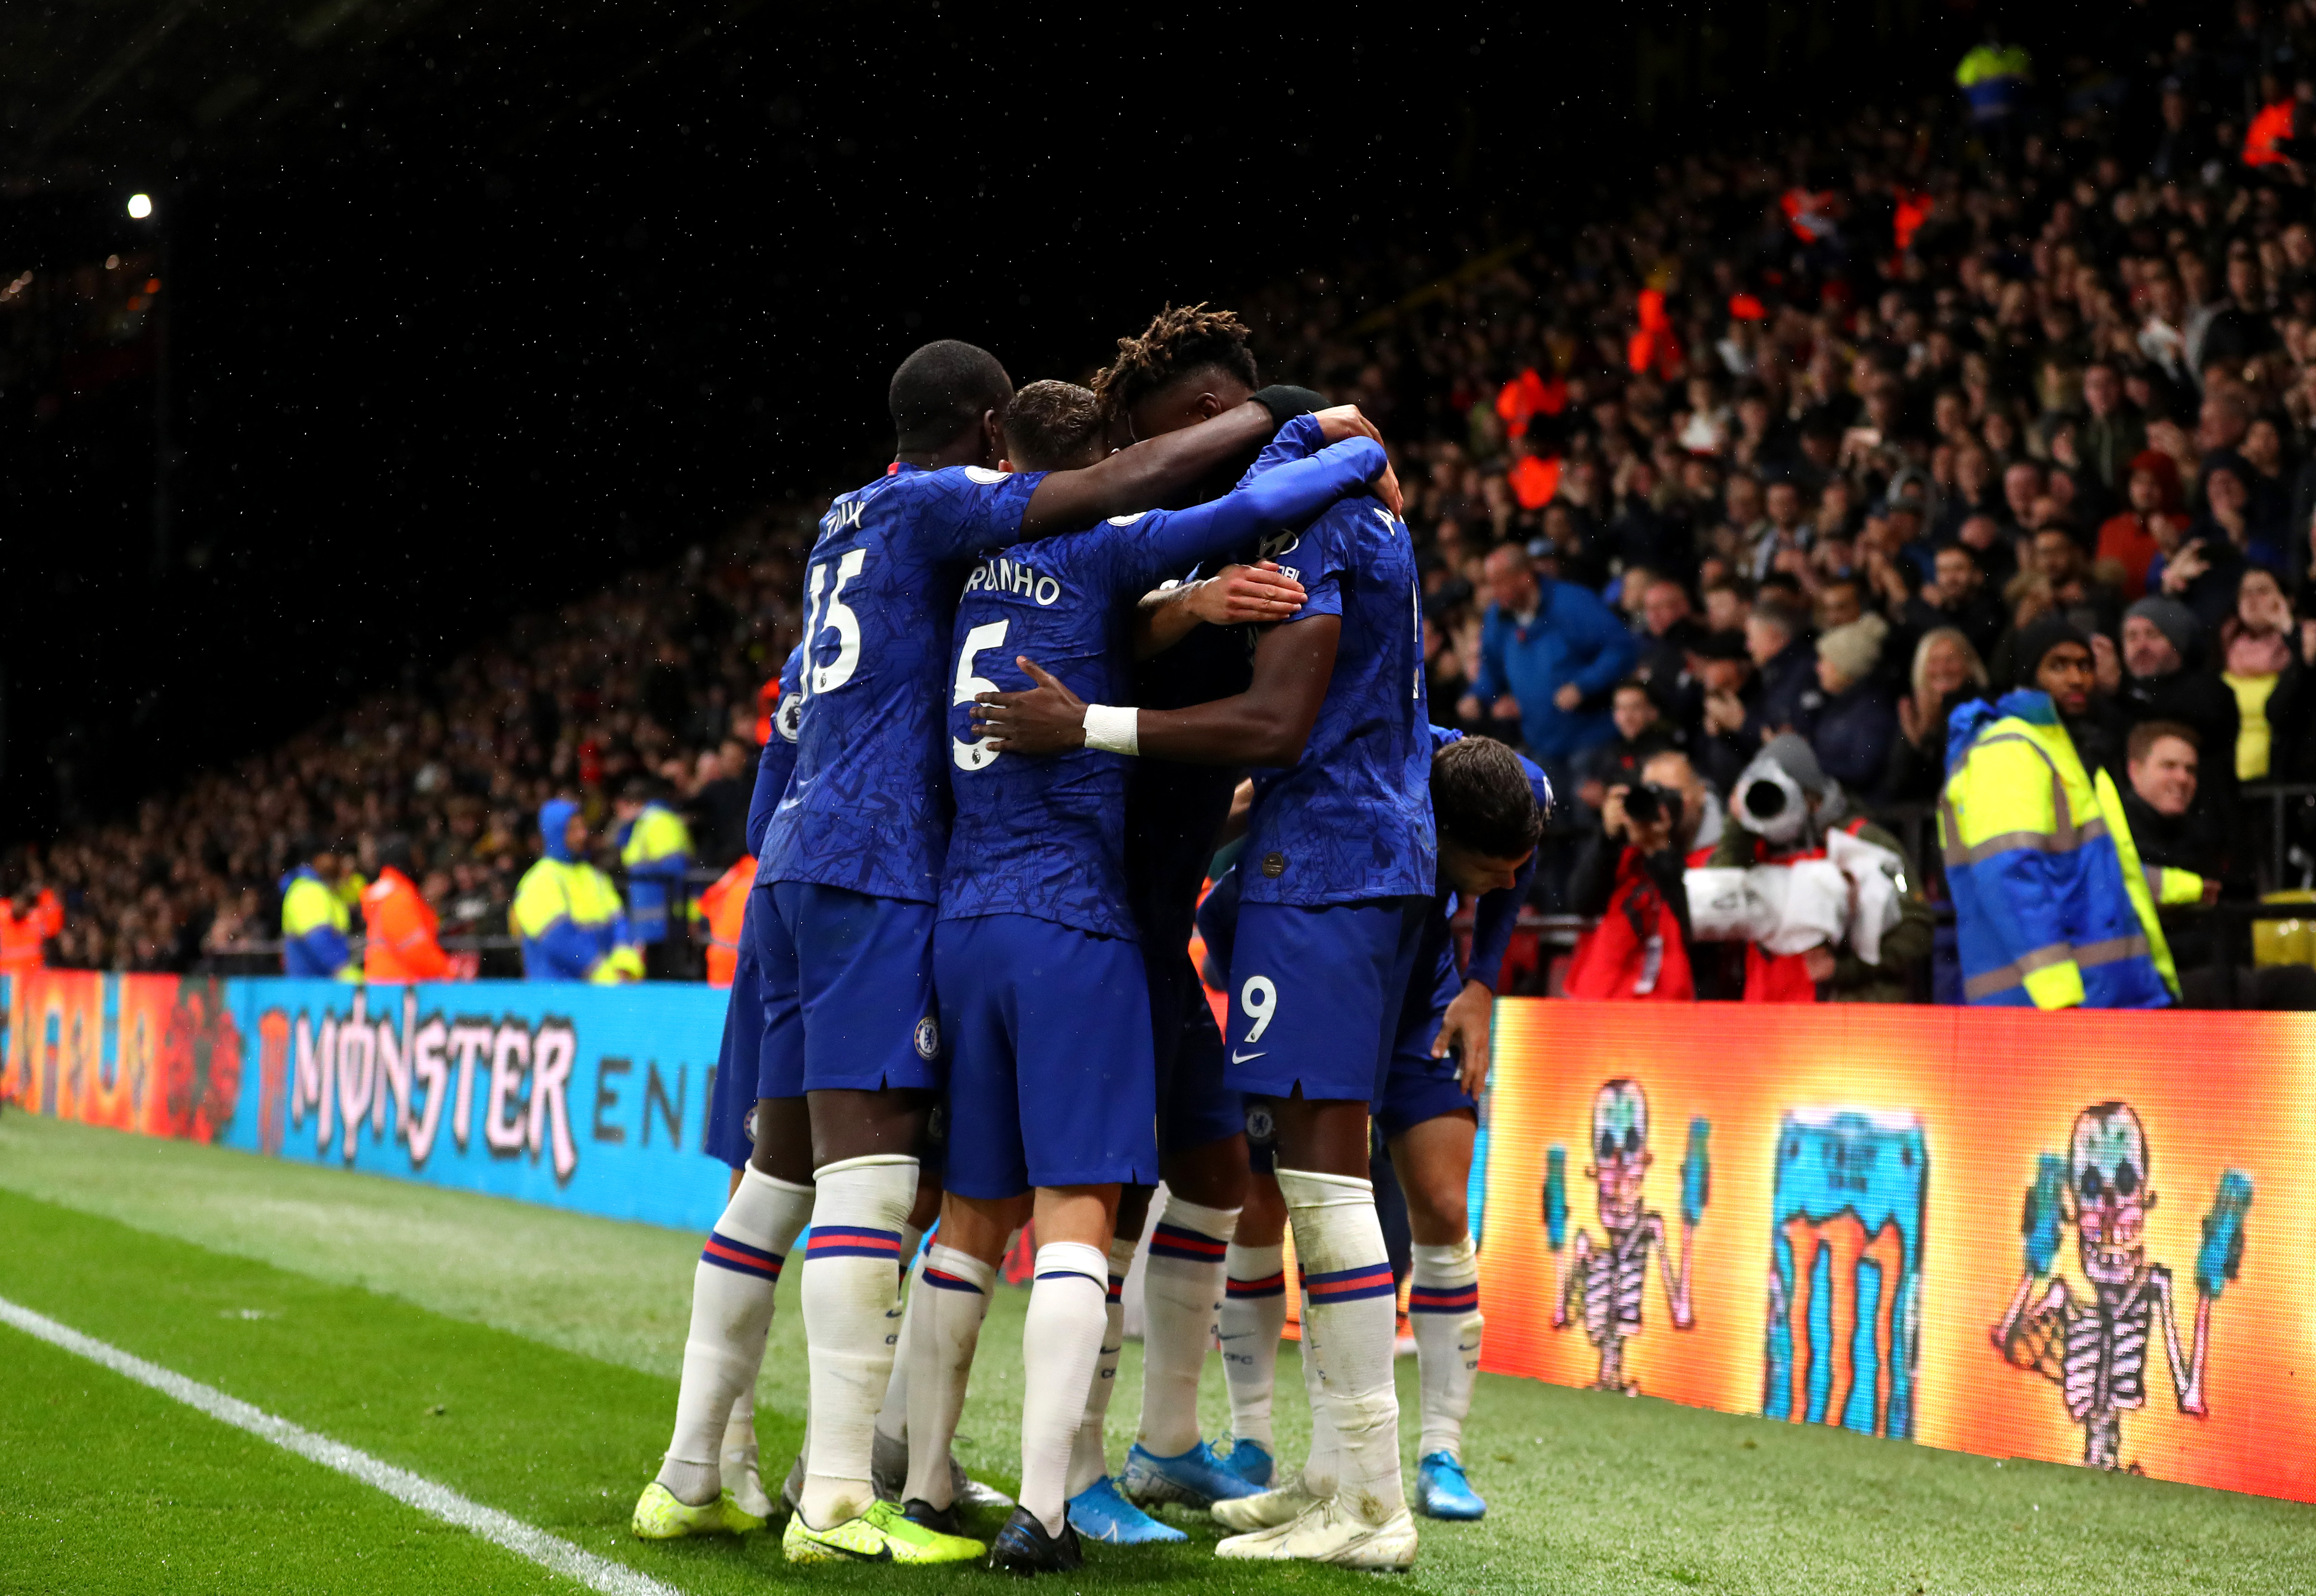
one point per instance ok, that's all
(123, 91)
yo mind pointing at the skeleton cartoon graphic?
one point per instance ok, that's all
(1603, 1281)
(2091, 1341)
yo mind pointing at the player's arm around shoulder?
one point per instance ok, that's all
(1159, 469)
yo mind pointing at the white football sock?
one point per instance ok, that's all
(731, 1311)
(1182, 1292)
(1089, 1457)
(1254, 1317)
(851, 1322)
(1346, 1280)
(893, 1417)
(1443, 1309)
(947, 1303)
(1322, 1464)
(739, 1452)
(1061, 1342)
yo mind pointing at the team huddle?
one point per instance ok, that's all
(1030, 718)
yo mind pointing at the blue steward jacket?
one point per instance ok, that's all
(655, 848)
(2052, 906)
(568, 913)
(314, 925)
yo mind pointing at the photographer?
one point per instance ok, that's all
(1783, 812)
(1629, 876)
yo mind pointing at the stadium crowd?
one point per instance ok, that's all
(653, 681)
(1789, 464)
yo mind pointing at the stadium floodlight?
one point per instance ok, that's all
(140, 206)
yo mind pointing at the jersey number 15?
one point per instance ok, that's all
(835, 615)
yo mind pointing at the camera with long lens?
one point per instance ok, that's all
(1771, 803)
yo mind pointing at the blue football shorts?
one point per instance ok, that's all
(1051, 1081)
(730, 1135)
(848, 984)
(1417, 1086)
(1315, 996)
(1194, 1105)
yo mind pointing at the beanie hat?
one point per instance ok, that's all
(1798, 760)
(2038, 638)
(2173, 618)
(1855, 647)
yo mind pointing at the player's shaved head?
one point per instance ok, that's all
(1053, 426)
(1186, 347)
(1481, 796)
(942, 391)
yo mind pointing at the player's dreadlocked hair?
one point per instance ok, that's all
(1482, 799)
(942, 390)
(1179, 340)
(1053, 426)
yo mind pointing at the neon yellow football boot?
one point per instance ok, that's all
(659, 1516)
(881, 1535)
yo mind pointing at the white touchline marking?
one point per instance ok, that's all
(550, 1551)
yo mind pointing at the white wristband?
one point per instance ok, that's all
(1113, 730)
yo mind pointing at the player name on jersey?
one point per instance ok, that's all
(999, 575)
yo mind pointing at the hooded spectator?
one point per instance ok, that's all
(568, 912)
(1780, 813)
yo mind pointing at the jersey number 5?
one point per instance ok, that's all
(837, 615)
(975, 756)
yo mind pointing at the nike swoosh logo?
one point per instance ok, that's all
(1241, 1335)
(881, 1555)
(1242, 1057)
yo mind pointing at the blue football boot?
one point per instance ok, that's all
(1441, 1490)
(1250, 1462)
(1099, 1513)
(1195, 1478)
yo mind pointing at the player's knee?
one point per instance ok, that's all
(783, 1145)
(1435, 1215)
(1263, 1218)
(1212, 1176)
(927, 1205)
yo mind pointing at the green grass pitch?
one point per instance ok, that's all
(529, 1357)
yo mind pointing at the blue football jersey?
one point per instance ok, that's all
(867, 809)
(777, 763)
(1351, 819)
(1046, 837)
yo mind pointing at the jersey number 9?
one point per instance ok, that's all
(1259, 999)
